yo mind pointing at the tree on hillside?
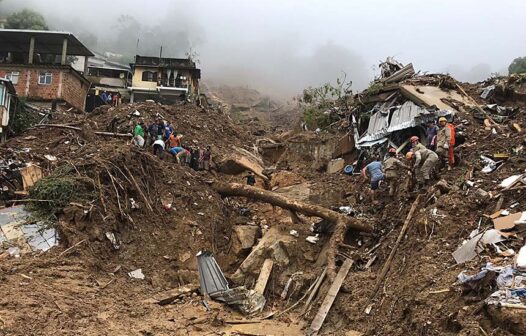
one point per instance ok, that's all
(26, 19)
(518, 65)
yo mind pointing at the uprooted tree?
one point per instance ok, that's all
(341, 222)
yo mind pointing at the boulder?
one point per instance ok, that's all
(244, 237)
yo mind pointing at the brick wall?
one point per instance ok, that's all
(74, 90)
(65, 85)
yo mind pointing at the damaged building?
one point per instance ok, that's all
(38, 63)
(8, 101)
(109, 76)
(164, 79)
(403, 105)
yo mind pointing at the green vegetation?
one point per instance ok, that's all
(315, 102)
(21, 119)
(56, 191)
(26, 19)
(518, 65)
(374, 88)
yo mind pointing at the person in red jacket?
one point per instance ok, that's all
(446, 142)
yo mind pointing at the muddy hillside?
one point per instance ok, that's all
(274, 232)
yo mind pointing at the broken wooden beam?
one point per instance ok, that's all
(264, 275)
(169, 296)
(122, 135)
(314, 291)
(330, 297)
(389, 260)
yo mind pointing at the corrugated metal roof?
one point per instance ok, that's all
(211, 278)
(406, 116)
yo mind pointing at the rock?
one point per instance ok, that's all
(482, 194)
(272, 245)
(335, 166)
(279, 253)
(244, 238)
(282, 179)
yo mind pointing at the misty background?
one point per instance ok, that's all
(282, 47)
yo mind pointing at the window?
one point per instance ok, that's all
(2, 91)
(44, 78)
(149, 76)
(13, 77)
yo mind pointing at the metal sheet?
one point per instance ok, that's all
(406, 116)
(211, 278)
(13, 227)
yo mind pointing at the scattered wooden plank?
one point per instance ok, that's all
(171, 295)
(264, 275)
(30, 175)
(445, 290)
(389, 260)
(314, 291)
(330, 297)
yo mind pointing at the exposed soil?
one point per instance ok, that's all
(82, 288)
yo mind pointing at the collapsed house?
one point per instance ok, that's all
(109, 76)
(403, 104)
(38, 63)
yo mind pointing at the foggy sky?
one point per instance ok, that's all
(281, 47)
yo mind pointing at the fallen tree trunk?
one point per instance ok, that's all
(123, 135)
(342, 222)
(236, 189)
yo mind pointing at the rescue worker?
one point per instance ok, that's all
(431, 132)
(374, 171)
(415, 143)
(391, 167)
(425, 160)
(446, 142)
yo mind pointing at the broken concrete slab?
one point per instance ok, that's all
(432, 96)
(244, 237)
(241, 160)
(345, 145)
(300, 192)
(335, 166)
(273, 245)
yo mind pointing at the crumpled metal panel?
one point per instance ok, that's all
(245, 300)
(211, 278)
(405, 117)
(378, 122)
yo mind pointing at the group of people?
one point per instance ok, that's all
(422, 161)
(113, 99)
(161, 136)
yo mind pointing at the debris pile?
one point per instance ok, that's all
(304, 250)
